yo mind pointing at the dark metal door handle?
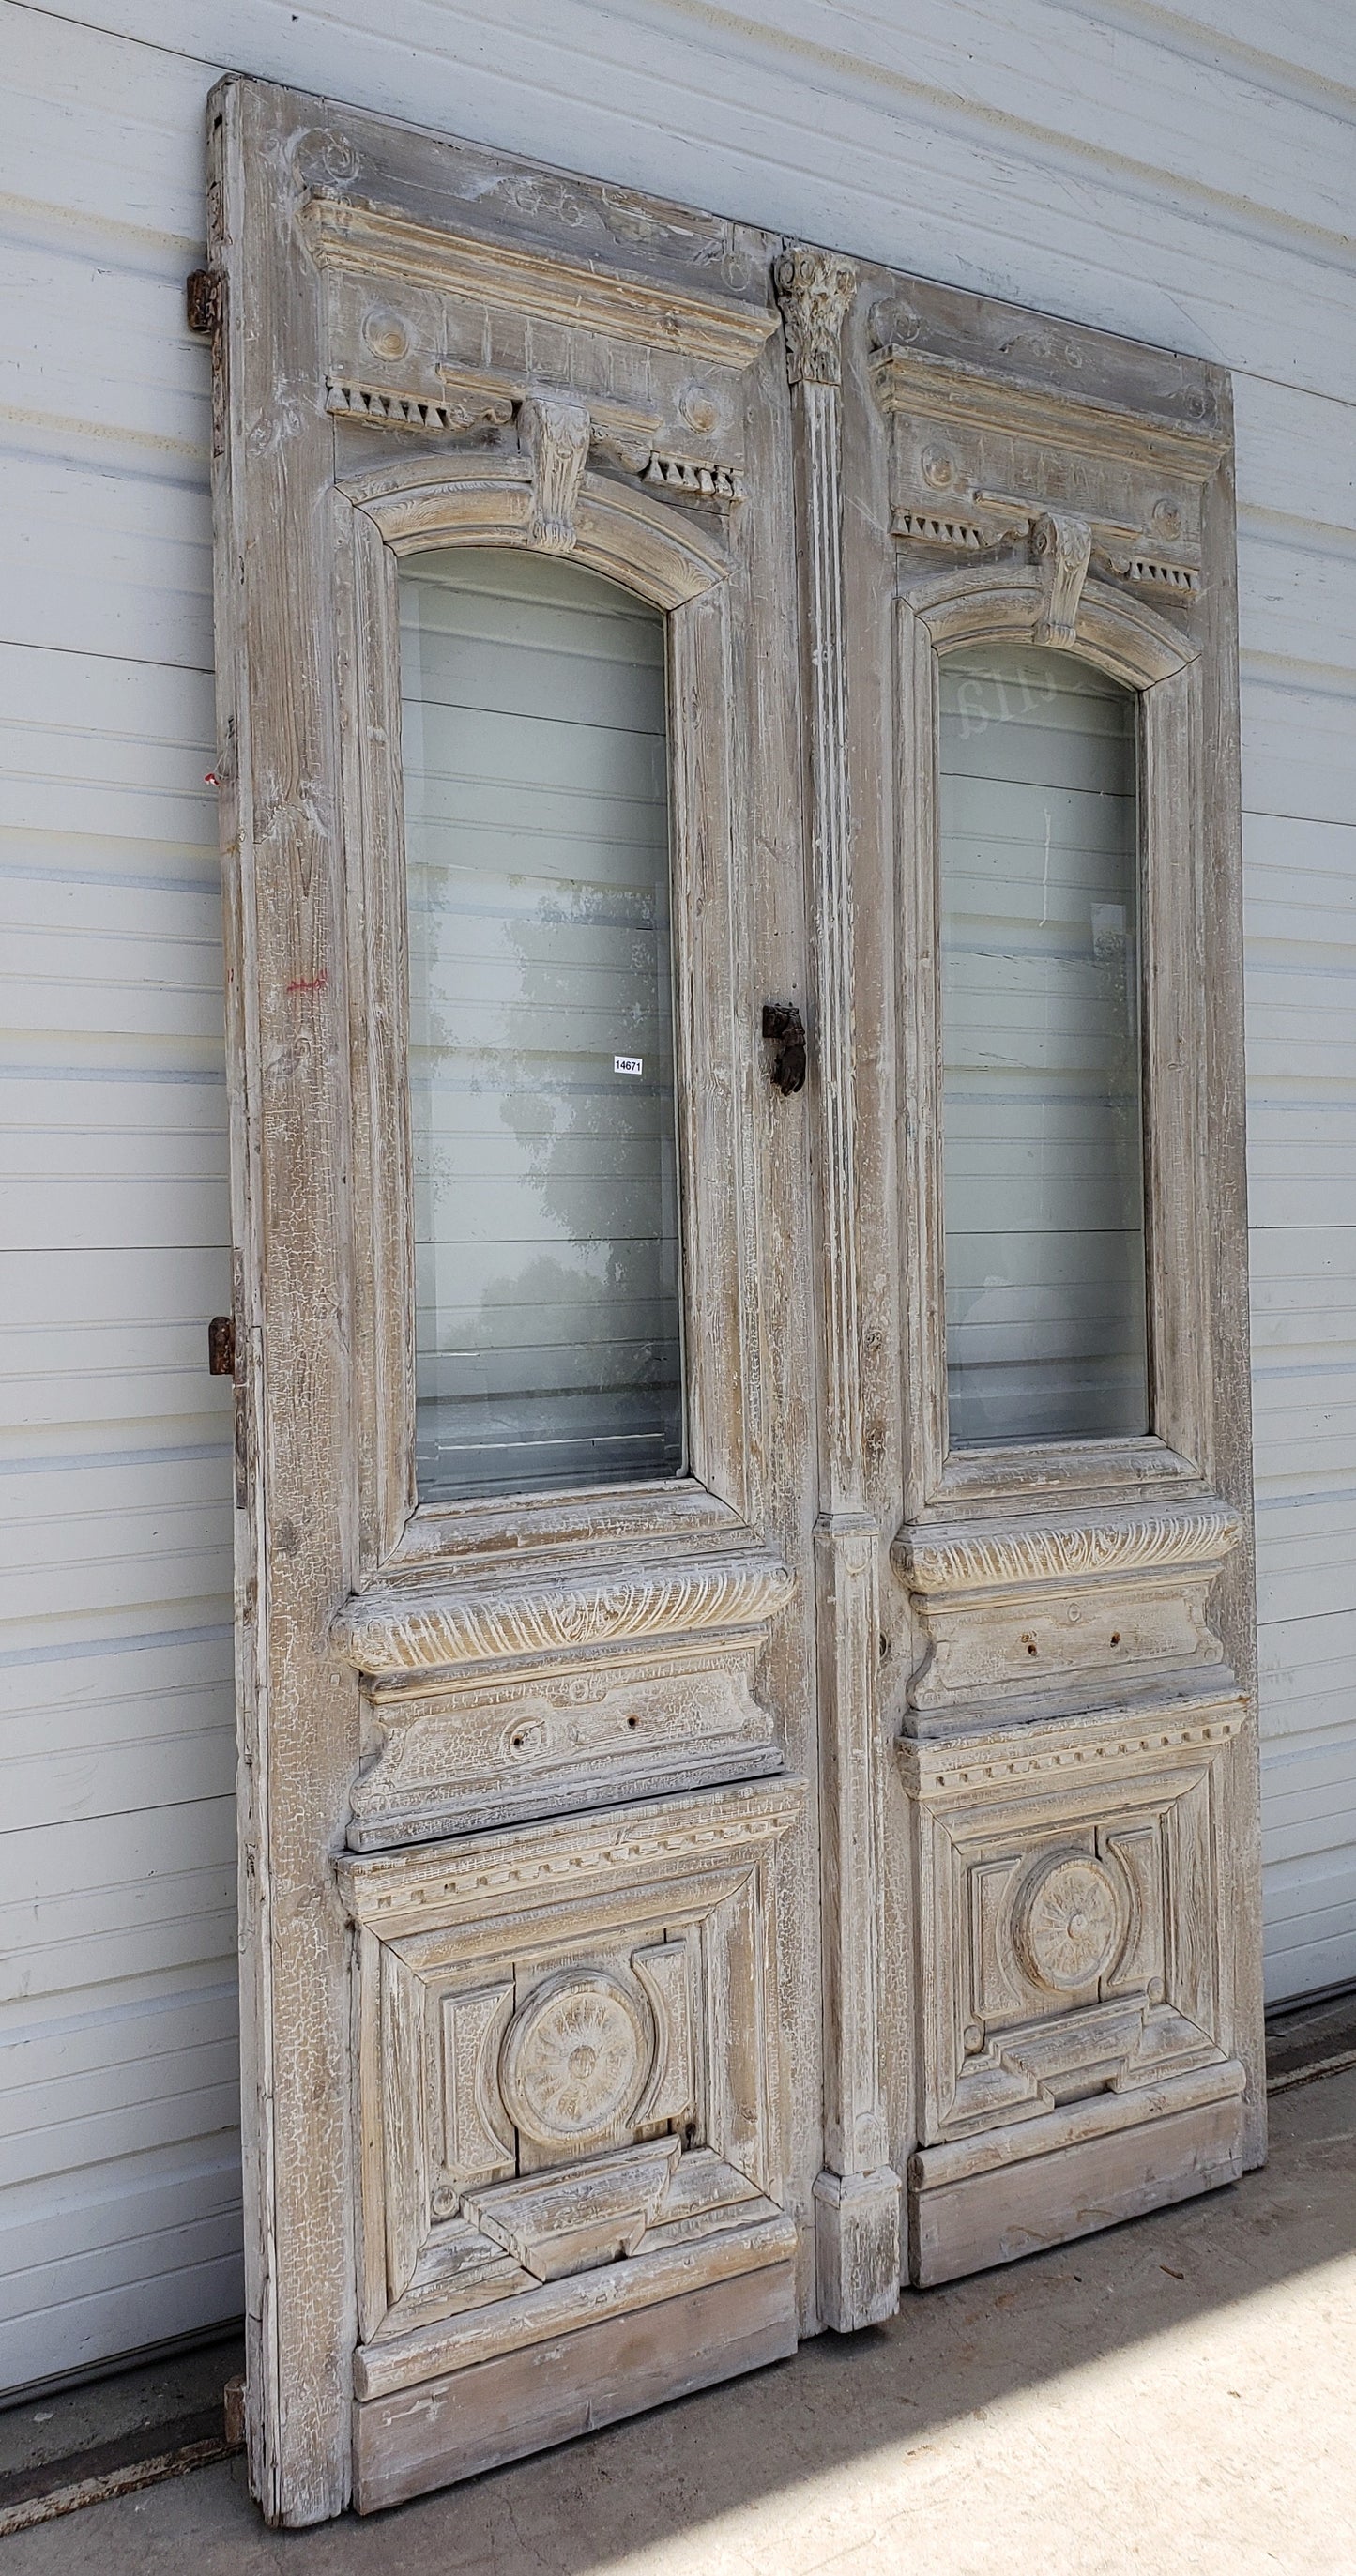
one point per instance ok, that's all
(784, 1036)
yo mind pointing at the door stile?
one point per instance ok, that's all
(299, 1710)
(857, 2192)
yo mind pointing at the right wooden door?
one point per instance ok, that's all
(1047, 865)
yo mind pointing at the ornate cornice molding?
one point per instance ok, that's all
(420, 1628)
(1012, 1555)
(981, 1762)
(435, 1881)
(815, 289)
(962, 395)
(362, 240)
(472, 401)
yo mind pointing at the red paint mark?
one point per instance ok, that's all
(308, 984)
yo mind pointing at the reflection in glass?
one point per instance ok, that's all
(1043, 1164)
(535, 753)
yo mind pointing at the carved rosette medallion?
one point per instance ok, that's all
(575, 2059)
(815, 291)
(1069, 1921)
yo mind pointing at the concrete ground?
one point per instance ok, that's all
(1179, 2394)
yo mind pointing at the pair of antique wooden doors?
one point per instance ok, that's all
(726, 1826)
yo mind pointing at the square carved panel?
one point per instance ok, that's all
(1068, 1929)
(569, 2067)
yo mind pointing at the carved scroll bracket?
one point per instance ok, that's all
(857, 2195)
(554, 435)
(1061, 546)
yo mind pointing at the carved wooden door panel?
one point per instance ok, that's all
(555, 1565)
(1043, 683)
(729, 785)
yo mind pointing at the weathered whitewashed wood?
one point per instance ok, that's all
(284, 948)
(570, 2080)
(1074, 491)
(971, 2224)
(468, 366)
(500, 2408)
(857, 2194)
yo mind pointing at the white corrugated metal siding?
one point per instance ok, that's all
(1182, 175)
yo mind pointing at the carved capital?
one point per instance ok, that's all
(815, 289)
(1061, 544)
(555, 436)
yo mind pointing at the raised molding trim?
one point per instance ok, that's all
(1104, 1742)
(857, 2210)
(558, 2308)
(986, 603)
(1133, 479)
(471, 402)
(486, 500)
(962, 393)
(1039, 1607)
(421, 1629)
(437, 1882)
(977, 1556)
(384, 407)
(343, 233)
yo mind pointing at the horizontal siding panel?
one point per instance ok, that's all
(105, 2210)
(38, 2294)
(106, 748)
(1306, 1556)
(1295, 454)
(1297, 595)
(71, 1561)
(1299, 748)
(164, 1767)
(120, 2223)
(60, 1883)
(162, 2306)
(99, 562)
(120, 356)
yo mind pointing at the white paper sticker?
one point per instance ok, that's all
(628, 1064)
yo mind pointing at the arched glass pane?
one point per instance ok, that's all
(535, 753)
(1043, 1157)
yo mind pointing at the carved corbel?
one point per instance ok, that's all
(815, 290)
(1061, 545)
(554, 434)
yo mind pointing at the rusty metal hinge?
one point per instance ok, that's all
(221, 1346)
(205, 298)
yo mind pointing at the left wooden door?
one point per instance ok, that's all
(524, 1298)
